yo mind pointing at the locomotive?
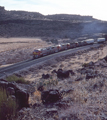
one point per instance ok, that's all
(60, 47)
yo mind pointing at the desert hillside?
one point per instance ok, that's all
(83, 90)
(28, 24)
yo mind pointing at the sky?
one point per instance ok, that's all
(95, 8)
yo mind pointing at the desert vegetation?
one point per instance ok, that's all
(13, 50)
(8, 106)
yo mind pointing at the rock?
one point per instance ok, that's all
(13, 85)
(105, 58)
(86, 70)
(45, 76)
(13, 97)
(3, 80)
(10, 90)
(36, 105)
(95, 86)
(71, 72)
(62, 104)
(63, 74)
(50, 96)
(91, 63)
(78, 79)
(89, 75)
(22, 98)
(20, 94)
(98, 85)
(69, 117)
(3, 84)
(54, 71)
(52, 111)
(67, 91)
(40, 88)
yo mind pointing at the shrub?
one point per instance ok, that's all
(85, 65)
(8, 106)
(47, 83)
(16, 79)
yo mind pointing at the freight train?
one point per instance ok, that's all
(57, 48)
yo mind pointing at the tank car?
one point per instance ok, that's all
(89, 41)
(101, 40)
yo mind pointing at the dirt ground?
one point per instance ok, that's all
(13, 50)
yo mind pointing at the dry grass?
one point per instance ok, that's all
(14, 50)
(8, 106)
(7, 44)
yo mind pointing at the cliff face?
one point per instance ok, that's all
(24, 15)
(33, 24)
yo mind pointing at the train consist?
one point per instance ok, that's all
(57, 48)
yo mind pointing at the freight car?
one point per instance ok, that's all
(101, 40)
(53, 49)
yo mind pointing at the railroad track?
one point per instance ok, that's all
(27, 63)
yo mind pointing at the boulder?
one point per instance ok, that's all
(22, 98)
(45, 76)
(62, 74)
(20, 94)
(50, 96)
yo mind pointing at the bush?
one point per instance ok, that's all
(85, 65)
(8, 106)
(17, 79)
(47, 83)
